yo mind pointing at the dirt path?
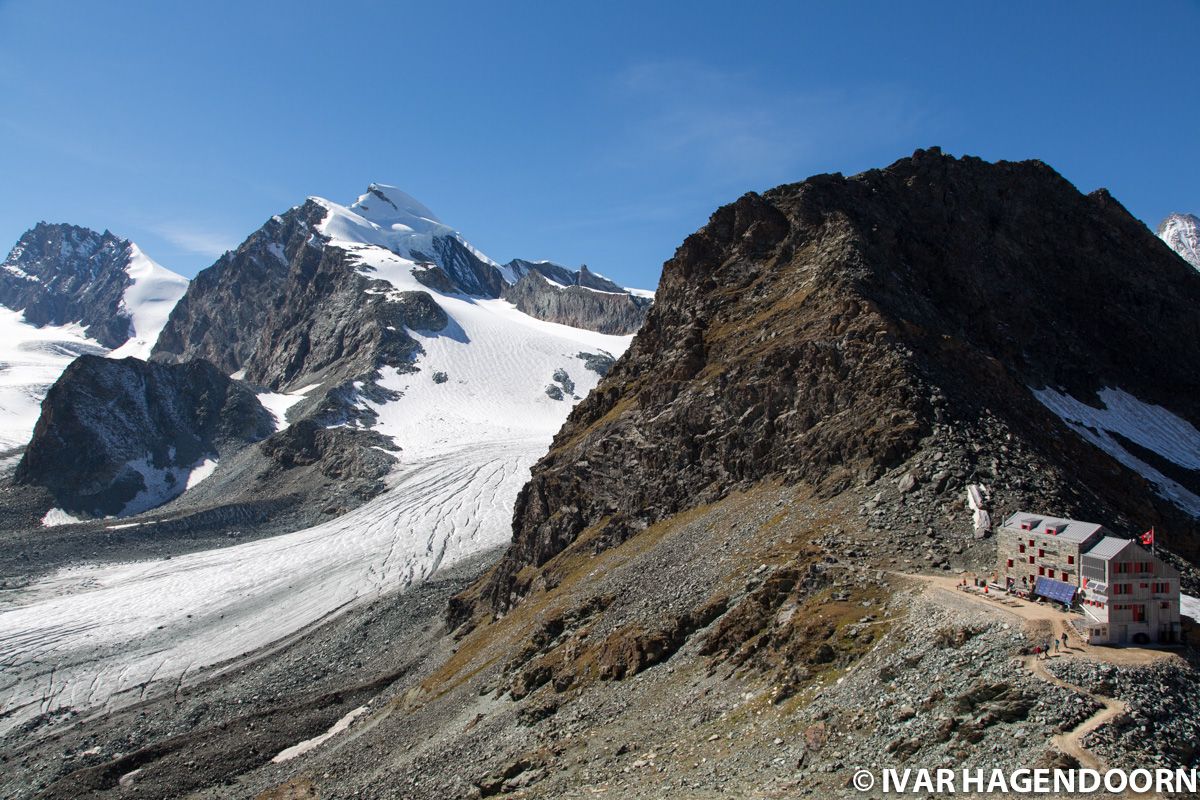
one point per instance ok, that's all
(1071, 742)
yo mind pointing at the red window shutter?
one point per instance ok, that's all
(1010, 562)
(1070, 559)
(1022, 548)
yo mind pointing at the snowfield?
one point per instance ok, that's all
(1149, 426)
(99, 636)
(148, 300)
(31, 359)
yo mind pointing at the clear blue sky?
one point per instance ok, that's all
(598, 133)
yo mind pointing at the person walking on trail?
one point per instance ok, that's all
(1046, 649)
(1064, 640)
(1056, 645)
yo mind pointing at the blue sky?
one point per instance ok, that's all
(598, 133)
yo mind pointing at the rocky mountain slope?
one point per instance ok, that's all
(65, 291)
(119, 437)
(578, 304)
(833, 331)
(63, 274)
(1181, 232)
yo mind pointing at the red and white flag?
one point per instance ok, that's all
(1148, 537)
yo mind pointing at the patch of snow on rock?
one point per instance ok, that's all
(1150, 426)
(56, 516)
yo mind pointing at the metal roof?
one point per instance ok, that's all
(1069, 530)
(1108, 547)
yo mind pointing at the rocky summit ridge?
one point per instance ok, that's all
(833, 331)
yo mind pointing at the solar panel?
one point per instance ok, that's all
(1058, 591)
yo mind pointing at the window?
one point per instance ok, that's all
(1161, 588)
(1031, 542)
(1010, 563)
(1070, 559)
(1031, 559)
(1143, 586)
(1065, 576)
(1041, 570)
(1022, 548)
(1139, 613)
(1041, 553)
(1122, 588)
(1164, 605)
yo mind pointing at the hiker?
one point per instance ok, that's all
(1064, 640)
(1037, 650)
(1046, 649)
(1056, 646)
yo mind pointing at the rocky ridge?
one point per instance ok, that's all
(834, 331)
(577, 305)
(120, 436)
(59, 274)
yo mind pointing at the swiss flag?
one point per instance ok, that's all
(1148, 537)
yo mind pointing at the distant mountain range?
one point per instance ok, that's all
(356, 330)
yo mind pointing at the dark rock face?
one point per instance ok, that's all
(286, 306)
(326, 325)
(617, 313)
(828, 331)
(467, 272)
(354, 458)
(561, 275)
(60, 274)
(599, 363)
(102, 415)
(220, 317)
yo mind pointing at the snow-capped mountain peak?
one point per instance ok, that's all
(1181, 232)
(64, 291)
(389, 218)
(152, 292)
(387, 205)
